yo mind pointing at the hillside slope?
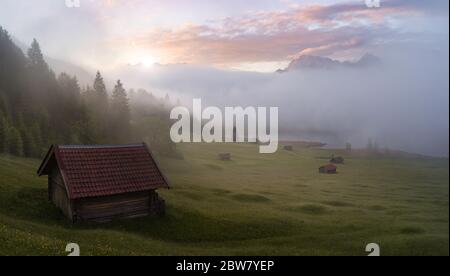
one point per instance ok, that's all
(256, 204)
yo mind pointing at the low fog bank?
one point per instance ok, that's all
(401, 103)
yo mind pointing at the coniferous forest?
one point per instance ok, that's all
(39, 108)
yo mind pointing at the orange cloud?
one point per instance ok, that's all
(273, 36)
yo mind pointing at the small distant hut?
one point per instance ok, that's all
(289, 148)
(225, 156)
(101, 183)
(329, 168)
(337, 160)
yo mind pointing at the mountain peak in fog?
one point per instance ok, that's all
(318, 62)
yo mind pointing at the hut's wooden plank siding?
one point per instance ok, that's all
(118, 206)
(58, 193)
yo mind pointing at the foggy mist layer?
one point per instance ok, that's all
(400, 103)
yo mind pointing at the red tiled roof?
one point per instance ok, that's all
(90, 171)
(329, 167)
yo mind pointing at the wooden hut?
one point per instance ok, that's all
(101, 183)
(337, 160)
(288, 148)
(329, 168)
(225, 156)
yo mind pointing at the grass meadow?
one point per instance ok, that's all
(255, 204)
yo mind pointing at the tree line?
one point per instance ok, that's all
(38, 108)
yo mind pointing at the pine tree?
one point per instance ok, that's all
(43, 126)
(120, 102)
(43, 94)
(2, 106)
(12, 72)
(87, 131)
(35, 56)
(4, 126)
(98, 107)
(27, 139)
(36, 133)
(69, 86)
(120, 113)
(119, 97)
(100, 93)
(15, 142)
(29, 145)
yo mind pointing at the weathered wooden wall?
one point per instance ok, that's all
(58, 193)
(104, 208)
(110, 207)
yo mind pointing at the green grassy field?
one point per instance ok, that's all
(256, 204)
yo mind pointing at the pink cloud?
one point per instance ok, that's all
(273, 36)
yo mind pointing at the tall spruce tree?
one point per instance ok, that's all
(120, 113)
(14, 142)
(87, 131)
(36, 132)
(100, 93)
(12, 72)
(45, 98)
(98, 107)
(35, 56)
(28, 145)
(4, 127)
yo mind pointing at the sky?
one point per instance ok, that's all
(252, 35)
(226, 52)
